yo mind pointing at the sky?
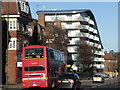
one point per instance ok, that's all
(106, 15)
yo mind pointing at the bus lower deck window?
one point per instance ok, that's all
(34, 68)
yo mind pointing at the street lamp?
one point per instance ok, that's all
(7, 46)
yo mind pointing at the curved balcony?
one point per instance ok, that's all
(73, 41)
(72, 49)
(99, 59)
(95, 31)
(73, 33)
(99, 52)
(84, 35)
(99, 66)
(97, 45)
(96, 38)
(84, 27)
(91, 22)
(69, 26)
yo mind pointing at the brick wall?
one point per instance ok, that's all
(41, 19)
(12, 66)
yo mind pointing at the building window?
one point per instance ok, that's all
(23, 6)
(18, 44)
(69, 22)
(12, 25)
(10, 45)
(13, 44)
(69, 15)
(27, 9)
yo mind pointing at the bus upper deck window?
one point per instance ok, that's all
(34, 53)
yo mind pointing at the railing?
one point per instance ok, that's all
(84, 35)
(99, 59)
(73, 41)
(71, 49)
(96, 38)
(91, 22)
(99, 66)
(95, 31)
(67, 18)
(99, 52)
(69, 26)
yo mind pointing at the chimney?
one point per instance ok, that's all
(58, 24)
(41, 19)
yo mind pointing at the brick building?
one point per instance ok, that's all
(18, 15)
(111, 62)
(24, 31)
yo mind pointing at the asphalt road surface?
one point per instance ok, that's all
(112, 83)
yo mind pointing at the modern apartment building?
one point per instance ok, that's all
(80, 25)
(17, 14)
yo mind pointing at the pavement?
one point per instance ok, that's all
(18, 86)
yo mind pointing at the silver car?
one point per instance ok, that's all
(98, 78)
(105, 75)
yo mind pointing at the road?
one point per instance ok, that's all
(112, 83)
(89, 85)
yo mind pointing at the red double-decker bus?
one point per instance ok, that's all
(41, 66)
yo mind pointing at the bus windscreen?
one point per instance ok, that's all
(34, 53)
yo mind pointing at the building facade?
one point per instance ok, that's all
(111, 62)
(80, 25)
(17, 14)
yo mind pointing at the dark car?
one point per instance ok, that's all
(68, 80)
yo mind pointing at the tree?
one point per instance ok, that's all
(85, 54)
(56, 37)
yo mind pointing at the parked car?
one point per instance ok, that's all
(68, 80)
(105, 75)
(98, 78)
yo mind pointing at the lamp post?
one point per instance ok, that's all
(7, 46)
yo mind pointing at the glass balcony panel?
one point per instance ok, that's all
(99, 59)
(99, 66)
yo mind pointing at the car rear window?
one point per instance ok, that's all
(97, 75)
(68, 76)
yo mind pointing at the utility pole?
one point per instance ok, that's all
(7, 46)
(1, 46)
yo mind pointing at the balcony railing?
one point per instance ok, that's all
(96, 38)
(99, 59)
(99, 66)
(84, 35)
(97, 45)
(84, 27)
(99, 52)
(72, 49)
(73, 41)
(95, 31)
(69, 26)
(91, 22)
(91, 36)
